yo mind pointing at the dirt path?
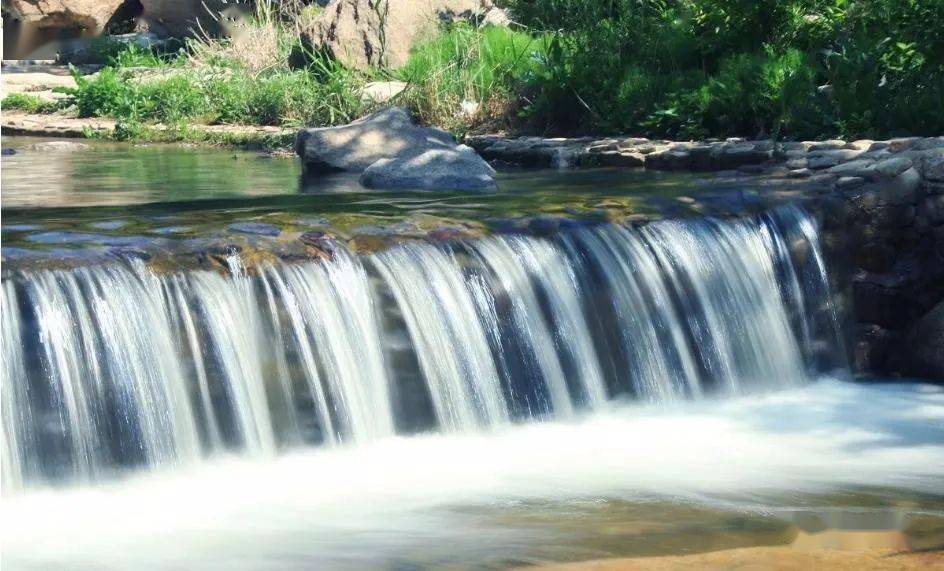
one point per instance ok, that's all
(766, 559)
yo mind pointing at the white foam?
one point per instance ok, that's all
(311, 506)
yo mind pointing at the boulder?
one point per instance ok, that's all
(394, 152)
(179, 18)
(364, 33)
(387, 133)
(438, 169)
(921, 351)
(376, 92)
(64, 14)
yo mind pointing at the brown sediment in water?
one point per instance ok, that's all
(781, 558)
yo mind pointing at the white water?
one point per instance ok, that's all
(383, 503)
(378, 411)
(113, 368)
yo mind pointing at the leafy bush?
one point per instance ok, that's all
(109, 94)
(797, 68)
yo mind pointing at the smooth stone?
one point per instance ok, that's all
(381, 91)
(932, 166)
(929, 143)
(898, 191)
(821, 162)
(384, 134)
(857, 168)
(21, 227)
(830, 145)
(800, 173)
(67, 237)
(257, 228)
(171, 230)
(902, 144)
(435, 169)
(847, 182)
(893, 166)
(860, 145)
(109, 225)
(617, 159)
(58, 146)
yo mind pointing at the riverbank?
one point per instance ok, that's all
(767, 558)
(271, 138)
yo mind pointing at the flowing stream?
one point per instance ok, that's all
(608, 360)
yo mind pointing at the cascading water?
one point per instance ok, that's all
(116, 366)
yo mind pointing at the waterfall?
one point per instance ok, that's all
(117, 367)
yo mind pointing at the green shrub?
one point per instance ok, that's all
(796, 68)
(109, 93)
(172, 100)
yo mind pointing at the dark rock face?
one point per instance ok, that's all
(920, 352)
(393, 152)
(895, 231)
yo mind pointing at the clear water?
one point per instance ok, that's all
(125, 195)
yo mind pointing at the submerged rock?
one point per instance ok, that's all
(259, 228)
(452, 169)
(58, 146)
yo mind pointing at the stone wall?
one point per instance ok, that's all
(882, 220)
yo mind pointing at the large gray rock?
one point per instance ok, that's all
(384, 134)
(192, 17)
(372, 33)
(443, 169)
(64, 14)
(921, 351)
(394, 152)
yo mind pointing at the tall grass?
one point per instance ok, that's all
(471, 76)
(241, 79)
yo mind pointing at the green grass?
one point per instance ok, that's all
(224, 95)
(30, 103)
(195, 134)
(485, 66)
